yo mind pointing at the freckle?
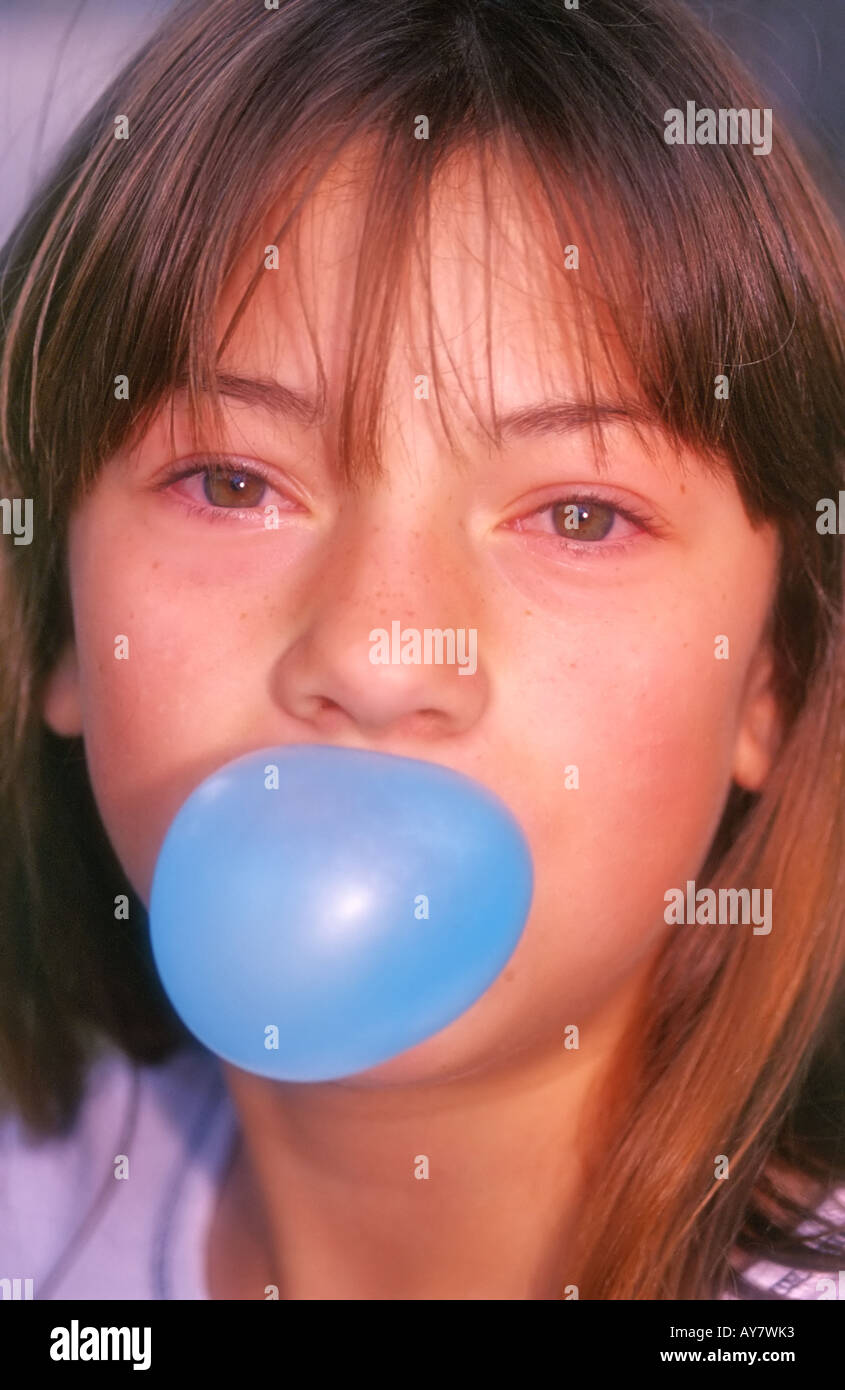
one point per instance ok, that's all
(156, 564)
(528, 613)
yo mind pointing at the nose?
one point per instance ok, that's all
(384, 591)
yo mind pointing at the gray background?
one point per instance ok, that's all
(56, 56)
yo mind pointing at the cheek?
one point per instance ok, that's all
(135, 736)
(161, 710)
(649, 722)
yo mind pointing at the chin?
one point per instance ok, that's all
(434, 1062)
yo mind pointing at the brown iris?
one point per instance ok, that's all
(227, 488)
(592, 522)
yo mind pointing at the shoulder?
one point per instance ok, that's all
(765, 1279)
(61, 1195)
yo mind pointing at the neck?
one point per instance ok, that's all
(467, 1187)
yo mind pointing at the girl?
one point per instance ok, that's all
(333, 315)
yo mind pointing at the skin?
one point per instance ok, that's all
(600, 656)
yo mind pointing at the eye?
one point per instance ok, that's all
(582, 521)
(218, 489)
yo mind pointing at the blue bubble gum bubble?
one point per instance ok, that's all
(318, 910)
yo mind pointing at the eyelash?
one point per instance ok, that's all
(643, 521)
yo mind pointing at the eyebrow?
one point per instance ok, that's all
(556, 417)
(563, 417)
(267, 394)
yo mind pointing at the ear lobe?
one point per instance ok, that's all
(760, 727)
(61, 706)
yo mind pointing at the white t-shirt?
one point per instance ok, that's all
(70, 1228)
(147, 1238)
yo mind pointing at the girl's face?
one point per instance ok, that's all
(598, 708)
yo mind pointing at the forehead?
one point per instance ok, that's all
(484, 300)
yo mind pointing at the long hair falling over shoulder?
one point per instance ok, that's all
(708, 259)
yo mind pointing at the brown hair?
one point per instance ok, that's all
(711, 260)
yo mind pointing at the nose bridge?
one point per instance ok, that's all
(399, 553)
(388, 630)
